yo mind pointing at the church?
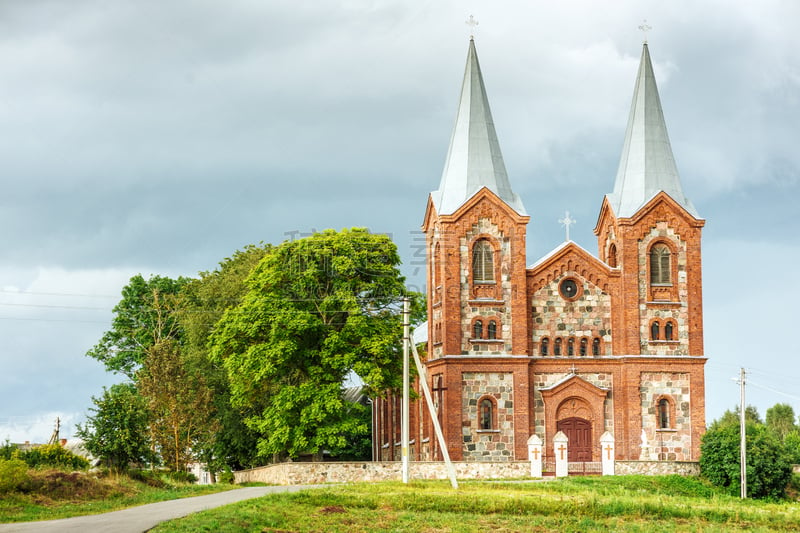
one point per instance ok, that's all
(573, 342)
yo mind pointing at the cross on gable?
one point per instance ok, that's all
(567, 221)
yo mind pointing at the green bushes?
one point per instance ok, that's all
(13, 473)
(53, 455)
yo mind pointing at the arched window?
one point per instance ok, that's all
(435, 268)
(668, 331)
(557, 348)
(596, 346)
(491, 330)
(486, 414)
(655, 331)
(543, 350)
(482, 262)
(584, 345)
(612, 256)
(571, 346)
(663, 414)
(660, 265)
(477, 330)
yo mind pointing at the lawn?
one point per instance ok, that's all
(624, 503)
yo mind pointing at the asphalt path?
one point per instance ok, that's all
(145, 517)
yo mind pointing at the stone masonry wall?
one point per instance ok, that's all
(673, 443)
(496, 444)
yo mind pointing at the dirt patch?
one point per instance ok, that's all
(333, 509)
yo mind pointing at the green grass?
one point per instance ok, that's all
(629, 503)
(52, 494)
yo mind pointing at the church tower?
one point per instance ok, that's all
(475, 232)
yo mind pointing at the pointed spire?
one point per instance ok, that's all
(647, 165)
(474, 159)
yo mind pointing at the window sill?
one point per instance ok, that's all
(488, 431)
(666, 430)
(486, 341)
(651, 341)
(662, 302)
(484, 282)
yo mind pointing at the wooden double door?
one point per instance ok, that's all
(579, 433)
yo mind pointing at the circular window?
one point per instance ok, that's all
(568, 289)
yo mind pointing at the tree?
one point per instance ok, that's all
(137, 324)
(768, 466)
(732, 417)
(780, 420)
(316, 309)
(118, 432)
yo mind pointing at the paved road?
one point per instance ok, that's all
(144, 517)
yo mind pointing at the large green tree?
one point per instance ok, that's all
(138, 323)
(118, 431)
(317, 308)
(780, 420)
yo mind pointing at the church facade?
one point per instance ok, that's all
(575, 342)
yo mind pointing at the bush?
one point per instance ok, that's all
(53, 455)
(182, 477)
(226, 477)
(768, 468)
(13, 473)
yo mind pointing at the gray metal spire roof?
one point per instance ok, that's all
(647, 165)
(474, 160)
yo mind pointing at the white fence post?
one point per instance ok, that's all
(535, 455)
(560, 448)
(607, 453)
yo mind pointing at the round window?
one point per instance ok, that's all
(568, 289)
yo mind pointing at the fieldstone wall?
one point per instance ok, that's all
(311, 473)
(496, 444)
(673, 443)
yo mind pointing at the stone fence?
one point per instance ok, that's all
(310, 473)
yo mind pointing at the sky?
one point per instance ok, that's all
(159, 137)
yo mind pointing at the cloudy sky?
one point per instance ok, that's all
(158, 137)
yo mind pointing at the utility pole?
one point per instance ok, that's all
(404, 423)
(742, 435)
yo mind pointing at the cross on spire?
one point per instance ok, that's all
(567, 221)
(645, 28)
(472, 22)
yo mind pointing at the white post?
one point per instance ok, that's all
(535, 455)
(404, 422)
(560, 448)
(607, 453)
(742, 438)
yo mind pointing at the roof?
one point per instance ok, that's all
(647, 165)
(474, 159)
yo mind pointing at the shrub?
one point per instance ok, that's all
(53, 455)
(226, 476)
(182, 477)
(768, 468)
(13, 473)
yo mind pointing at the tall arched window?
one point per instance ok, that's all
(596, 346)
(482, 262)
(655, 331)
(491, 330)
(663, 414)
(544, 349)
(557, 348)
(660, 265)
(668, 331)
(571, 346)
(612, 256)
(584, 345)
(486, 414)
(477, 330)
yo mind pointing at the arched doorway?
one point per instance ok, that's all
(579, 433)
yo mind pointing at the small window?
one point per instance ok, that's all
(557, 348)
(482, 262)
(491, 329)
(571, 346)
(544, 346)
(663, 414)
(486, 414)
(477, 330)
(596, 346)
(655, 330)
(584, 345)
(612, 256)
(668, 331)
(660, 265)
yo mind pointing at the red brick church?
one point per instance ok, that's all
(574, 342)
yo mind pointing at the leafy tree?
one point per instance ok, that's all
(317, 308)
(118, 432)
(780, 420)
(138, 324)
(768, 466)
(792, 444)
(179, 403)
(732, 417)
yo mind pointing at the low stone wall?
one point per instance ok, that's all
(657, 468)
(310, 473)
